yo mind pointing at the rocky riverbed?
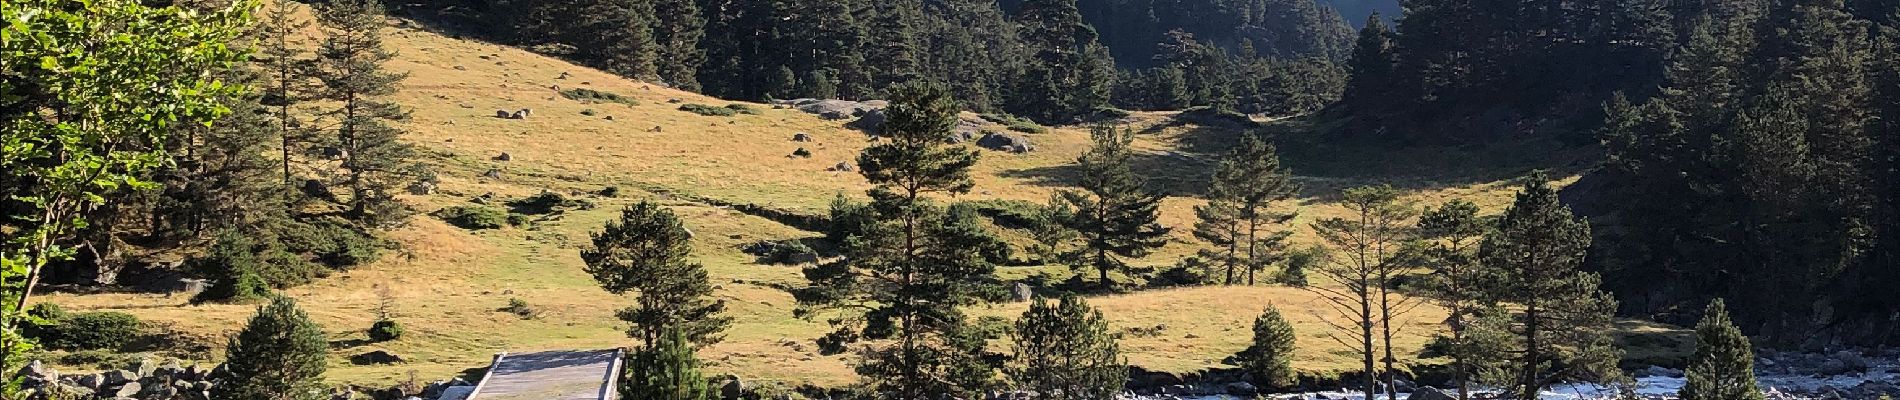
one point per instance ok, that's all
(1783, 376)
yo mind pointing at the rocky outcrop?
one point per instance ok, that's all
(1005, 142)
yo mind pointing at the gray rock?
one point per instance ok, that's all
(801, 137)
(422, 188)
(503, 114)
(871, 121)
(117, 377)
(492, 174)
(504, 156)
(1430, 393)
(90, 381)
(843, 166)
(733, 389)
(38, 370)
(1242, 389)
(1656, 371)
(833, 115)
(1005, 142)
(128, 390)
(1022, 292)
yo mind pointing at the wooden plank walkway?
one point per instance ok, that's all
(552, 375)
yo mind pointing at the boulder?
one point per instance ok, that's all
(871, 122)
(1430, 393)
(732, 390)
(492, 174)
(801, 137)
(503, 114)
(504, 156)
(1242, 389)
(422, 188)
(1022, 292)
(523, 114)
(840, 109)
(843, 166)
(117, 377)
(90, 381)
(833, 115)
(127, 390)
(1005, 142)
(39, 371)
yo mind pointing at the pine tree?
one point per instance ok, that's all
(1114, 212)
(1372, 67)
(905, 275)
(1368, 244)
(279, 355)
(1066, 351)
(1450, 234)
(620, 36)
(1245, 184)
(1065, 77)
(1723, 367)
(667, 370)
(1270, 358)
(896, 50)
(287, 78)
(1562, 320)
(646, 251)
(678, 27)
(373, 158)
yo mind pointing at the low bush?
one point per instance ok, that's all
(596, 96)
(108, 330)
(385, 330)
(706, 110)
(520, 308)
(244, 267)
(332, 241)
(473, 217)
(1015, 123)
(743, 109)
(546, 202)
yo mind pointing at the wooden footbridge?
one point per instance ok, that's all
(551, 375)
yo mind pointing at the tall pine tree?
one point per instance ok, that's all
(646, 251)
(666, 370)
(1069, 73)
(1562, 320)
(1115, 212)
(373, 159)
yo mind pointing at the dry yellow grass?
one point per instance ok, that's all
(447, 283)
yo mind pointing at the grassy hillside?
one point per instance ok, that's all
(447, 283)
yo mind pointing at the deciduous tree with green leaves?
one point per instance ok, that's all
(79, 124)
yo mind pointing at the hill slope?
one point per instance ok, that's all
(447, 283)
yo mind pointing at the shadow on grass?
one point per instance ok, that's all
(1324, 161)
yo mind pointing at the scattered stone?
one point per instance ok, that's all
(802, 258)
(563, 75)
(1242, 389)
(492, 174)
(522, 114)
(674, 100)
(1430, 393)
(656, 128)
(504, 157)
(801, 137)
(422, 188)
(503, 114)
(117, 377)
(871, 122)
(733, 389)
(1023, 292)
(609, 118)
(1005, 142)
(843, 166)
(461, 68)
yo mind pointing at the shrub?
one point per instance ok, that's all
(743, 109)
(332, 241)
(801, 152)
(473, 217)
(237, 265)
(1013, 214)
(595, 96)
(1108, 113)
(1015, 123)
(1269, 359)
(518, 220)
(707, 110)
(610, 191)
(47, 312)
(107, 330)
(777, 251)
(1190, 271)
(520, 308)
(848, 218)
(385, 330)
(546, 202)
